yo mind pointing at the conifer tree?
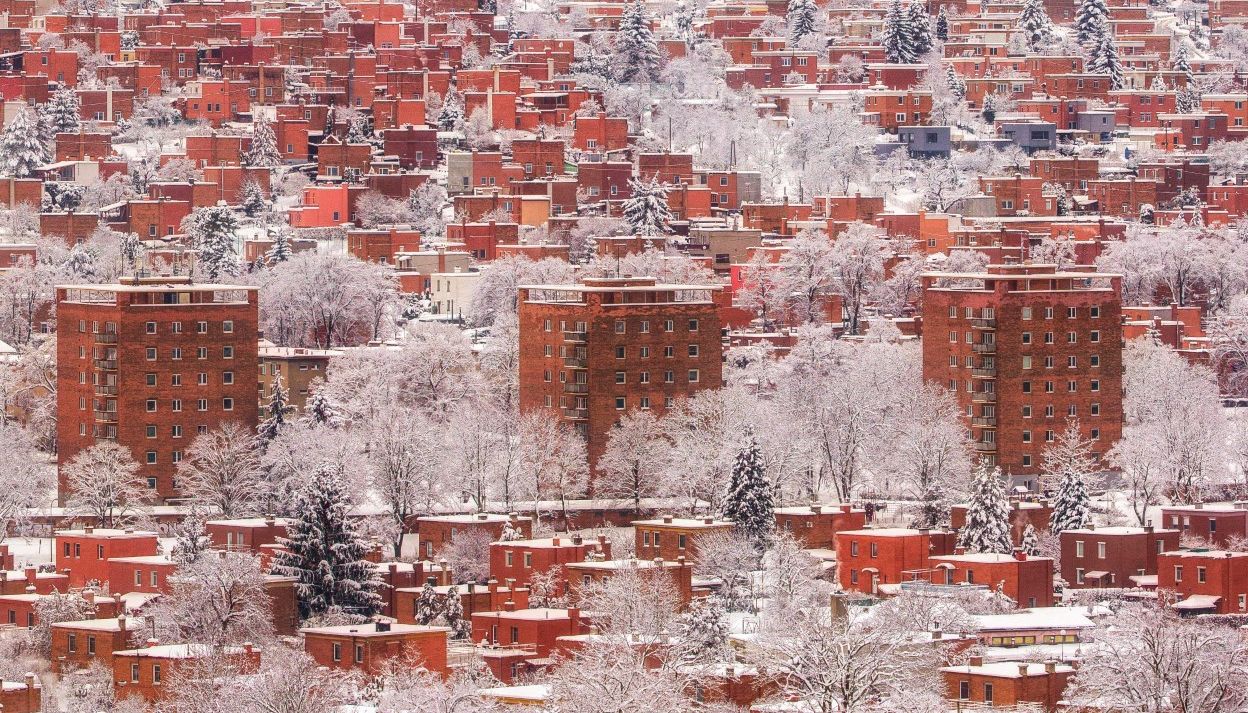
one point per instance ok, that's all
(987, 527)
(897, 35)
(920, 29)
(1091, 18)
(1103, 59)
(646, 211)
(942, 25)
(251, 199)
(22, 149)
(1031, 541)
(280, 250)
(1071, 509)
(63, 112)
(263, 152)
(452, 115)
(453, 615)
(704, 631)
(276, 412)
(802, 15)
(1035, 24)
(749, 503)
(636, 51)
(956, 83)
(324, 550)
(213, 232)
(428, 605)
(320, 410)
(1158, 84)
(684, 22)
(1182, 64)
(1187, 100)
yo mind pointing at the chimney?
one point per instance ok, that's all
(88, 596)
(511, 583)
(1200, 506)
(577, 540)
(959, 550)
(472, 587)
(1091, 525)
(1022, 669)
(492, 585)
(1019, 554)
(658, 561)
(88, 529)
(150, 643)
(482, 516)
(1050, 667)
(121, 622)
(816, 509)
(667, 519)
(977, 661)
(708, 520)
(248, 647)
(847, 507)
(937, 634)
(31, 574)
(509, 605)
(574, 615)
(270, 521)
(554, 542)
(382, 626)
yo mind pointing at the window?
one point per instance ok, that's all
(359, 653)
(988, 693)
(875, 550)
(227, 404)
(151, 327)
(175, 379)
(151, 457)
(693, 376)
(151, 431)
(134, 673)
(151, 353)
(1026, 436)
(619, 403)
(228, 353)
(645, 326)
(227, 326)
(1100, 550)
(1026, 337)
(621, 377)
(853, 549)
(1200, 575)
(619, 326)
(1178, 573)
(175, 431)
(669, 352)
(1026, 313)
(693, 350)
(155, 673)
(175, 405)
(201, 405)
(150, 379)
(175, 353)
(151, 405)
(73, 643)
(202, 353)
(337, 651)
(1079, 548)
(227, 377)
(202, 378)
(201, 327)
(669, 377)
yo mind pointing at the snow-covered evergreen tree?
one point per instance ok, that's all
(636, 56)
(359, 131)
(263, 152)
(1091, 21)
(1035, 24)
(452, 115)
(130, 40)
(428, 605)
(646, 211)
(320, 410)
(275, 413)
(213, 232)
(21, 147)
(1187, 100)
(749, 503)
(453, 615)
(942, 25)
(1181, 63)
(897, 35)
(802, 15)
(1031, 541)
(251, 199)
(1158, 84)
(920, 24)
(957, 85)
(1071, 508)
(510, 533)
(704, 631)
(62, 112)
(131, 249)
(683, 19)
(987, 527)
(280, 250)
(1103, 59)
(324, 550)
(80, 264)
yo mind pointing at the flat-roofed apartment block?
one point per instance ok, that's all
(150, 363)
(593, 351)
(1024, 348)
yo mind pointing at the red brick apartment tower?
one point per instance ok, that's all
(591, 351)
(150, 363)
(1023, 347)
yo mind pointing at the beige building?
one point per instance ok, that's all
(299, 368)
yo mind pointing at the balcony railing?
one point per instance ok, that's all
(577, 337)
(108, 433)
(984, 373)
(989, 421)
(985, 446)
(576, 388)
(576, 363)
(983, 324)
(576, 414)
(984, 348)
(106, 337)
(106, 364)
(984, 397)
(105, 390)
(106, 416)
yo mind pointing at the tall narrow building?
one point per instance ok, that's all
(1024, 348)
(151, 363)
(591, 352)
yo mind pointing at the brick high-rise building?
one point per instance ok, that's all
(1024, 348)
(151, 363)
(592, 351)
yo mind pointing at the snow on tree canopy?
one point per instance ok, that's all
(987, 527)
(326, 553)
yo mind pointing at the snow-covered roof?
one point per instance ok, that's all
(371, 630)
(535, 693)
(1036, 618)
(1116, 530)
(1195, 602)
(691, 523)
(177, 651)
(1007, 669)
(251, 521)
